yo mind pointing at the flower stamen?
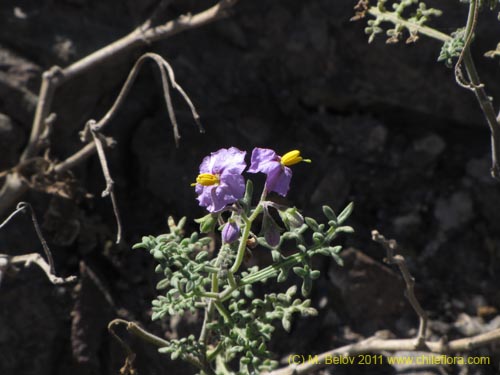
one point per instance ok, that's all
(206, 179)
(292, 158)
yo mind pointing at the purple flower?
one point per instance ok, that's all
(220, 181)
(275, 167)
(230, 232)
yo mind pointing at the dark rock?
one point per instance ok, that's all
(455, 211)
(371, 292)
(333, 187)
(11, 140)
(432, 145)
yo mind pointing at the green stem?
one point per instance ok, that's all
(222, 310)
(242, 246)
(213, 353)
(246, 232)
(471, 20)
(209, 295)
(484, 100)
(272, 270)
(222, 367)
(411, 26)
(231, 280)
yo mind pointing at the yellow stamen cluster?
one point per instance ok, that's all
(206, 179)
(292, 158)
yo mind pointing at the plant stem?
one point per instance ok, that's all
(411, 26)
(485, 101)
(246, 232)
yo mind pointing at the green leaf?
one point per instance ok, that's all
(345, 229)
(330, 214)
(315, 274)
(207, 223)
(189, 286)
(247, 198)
(158, 255)
(163, 284)
(338, 259)
(299, 271)
(286, 322)
(201, 256)
(318, 238)
(306, 286)
(311, 223)
(282, 276)
(323, 251)
(344, 215)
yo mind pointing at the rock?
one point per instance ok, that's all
(455, 211)
(493, 324)
(479, 169)
(333, 187)
(469, 326)
(432, 145)
(11, 140)
(357, 136)
(255, 129)
(372, 294)
(407, 225)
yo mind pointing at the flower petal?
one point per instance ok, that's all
(263, 160)
(232, 187)
(279, 180)
(230, 160)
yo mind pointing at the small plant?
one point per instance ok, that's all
(238, 324)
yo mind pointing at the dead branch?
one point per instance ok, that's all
(390, 247)
(377, 345)
(56, 76)
(91, 125)
(35, 258)
(8, 263)
(94, 127)
(165, 70)
(141, 333)
(15, 185)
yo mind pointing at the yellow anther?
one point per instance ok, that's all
(292, 158)
(206, 179)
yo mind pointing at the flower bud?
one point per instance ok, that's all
(291, 218)
(230, 232)
(271, 230)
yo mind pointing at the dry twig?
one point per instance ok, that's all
(35, 258)
(390, 247)
(15, 184)
(375, 344)
(8, 262)
(94, 127)
(107, 176)
(141, 333)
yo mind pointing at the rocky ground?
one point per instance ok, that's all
(386, 126)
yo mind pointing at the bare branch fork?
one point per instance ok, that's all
(375, 344)
(390, 247)
(94, 127)
(8, 263)
(15, 184)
